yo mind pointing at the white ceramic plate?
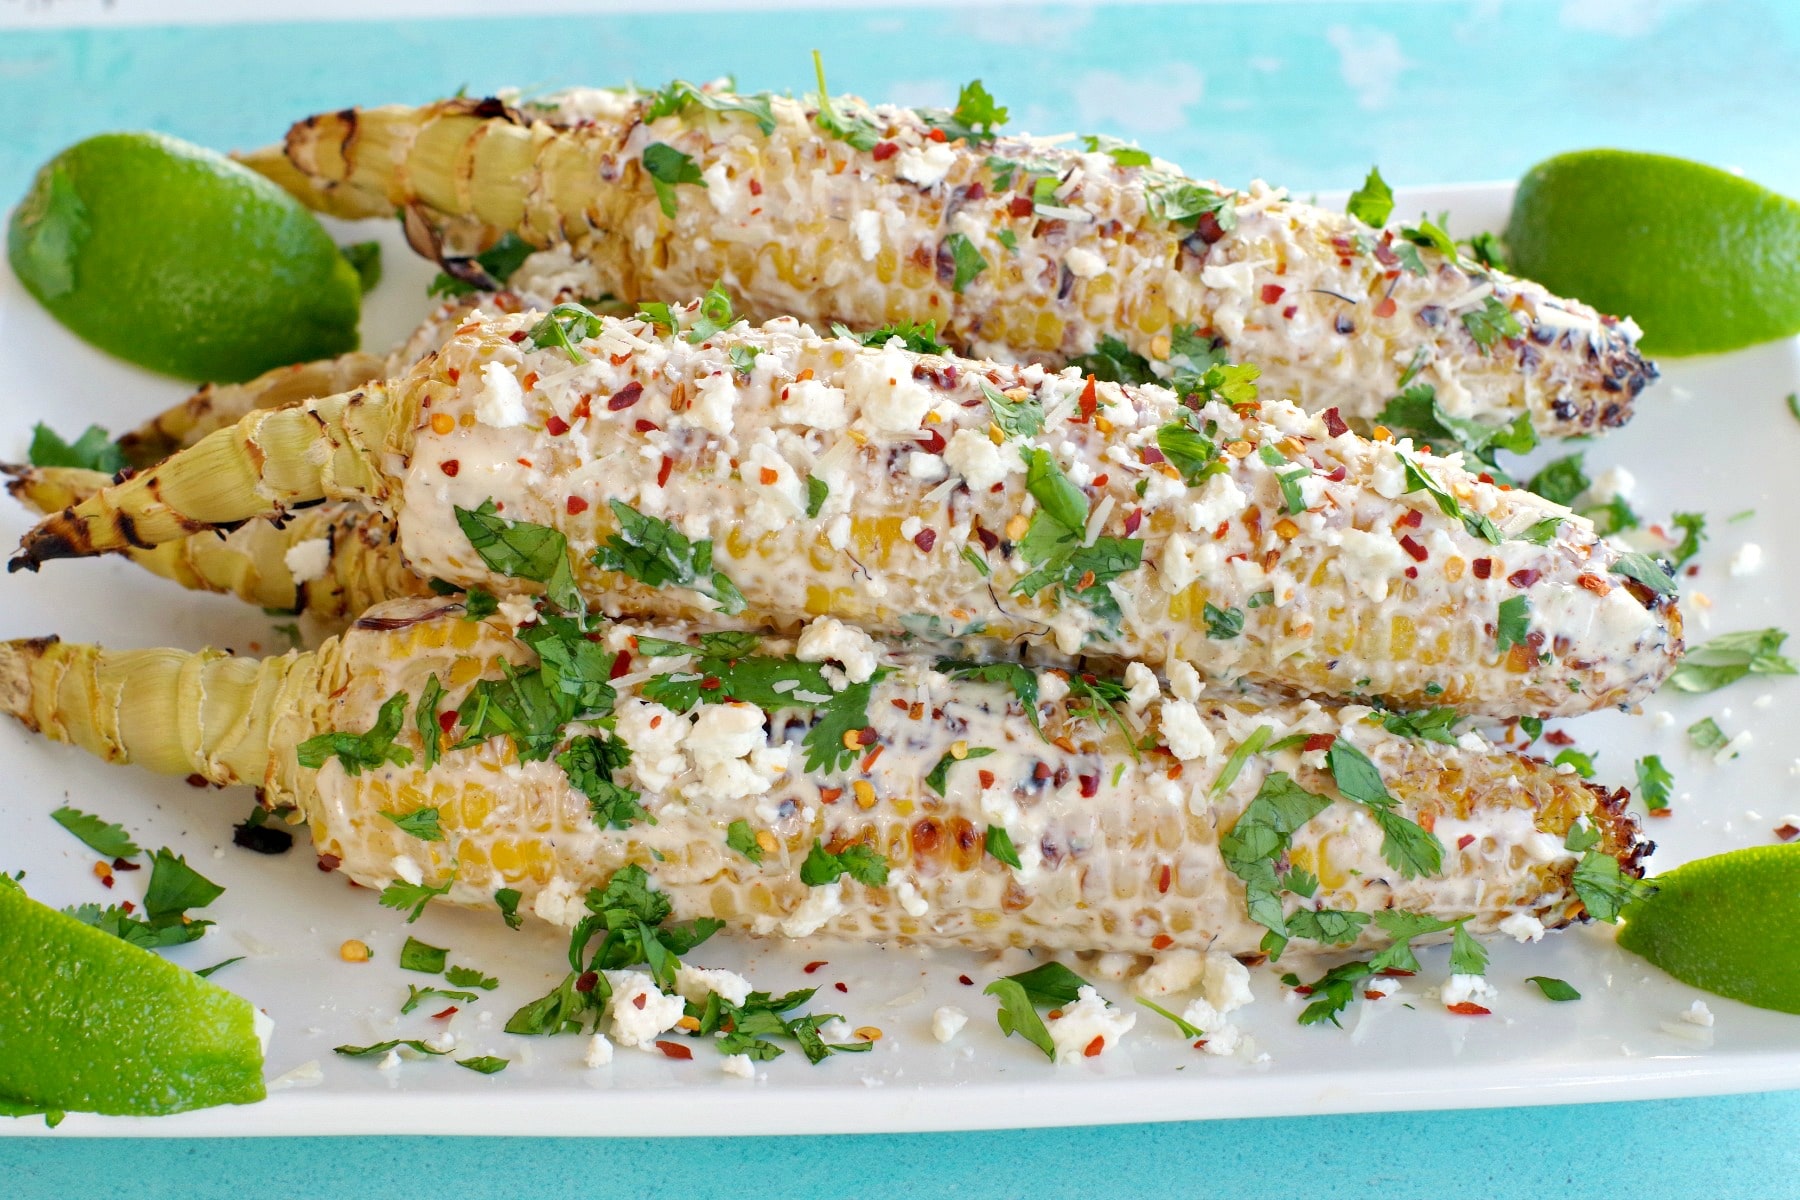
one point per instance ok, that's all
(1712, 436)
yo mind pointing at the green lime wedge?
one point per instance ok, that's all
(1704, 261)
(180, 260)
(93, 1024)
(1726, 924)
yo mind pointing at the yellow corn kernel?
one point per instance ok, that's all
(865, 793)
(442, 423)
(959, 750)
(1160, 346)
(766, 842)
(1017, 526)
(869, 1033)
(354, 951)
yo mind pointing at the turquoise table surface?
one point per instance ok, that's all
(1305, 94)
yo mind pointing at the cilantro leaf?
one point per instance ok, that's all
(1187, 1030)
(1223, 623)
(1190, 451)
(1603, 888)
(1051, 984)
(1333, 927)
(1403, 927)
(146, 935)
(421, 823)
(1332, 992)
(507, 901)
(1022, 418)
(564, 1008)
(415, 896)
(1408, 848)
(1484, 248)
(966, 261)
(101, 836)
(1645, 570)
(1292, 499)
(469, 977)
(1654, 782)
(1614, 516)
(1373, 202)
(1018, 1016)
(1729, 658)
(853, 128)
(739, 837)
(859, 860)
(589, 763)
(1706, 734)
(1580, 760)
(939, 775)
(654, 552)
(1021, 679)
(490, 269)
(1513, 624)
(92, 451)
(1467, 956)
(1123, 154)
(1181, 201)
(668, 168)
(1112, 361)
(358, 752)
(416, 996)
(486, 1064)
(1693, 532)
(415, 1044)
(679, 96)
(562, 327)
(1493, 322)
(1430, 725)
(522, 550)
(1416, 413)
(1260, 836)
(1553, 988)
(920, 337)
(1561, 480)
(817, 490)
(426, 959)
(999, 845)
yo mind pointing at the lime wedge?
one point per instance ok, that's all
(180, 260)
(1704, 261)
(93, 1024)
(1726, 924)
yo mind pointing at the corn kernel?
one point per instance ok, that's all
(354, 951)
(442, 423)
(959, 750)
(1102, 424)
(1017, 526)
(1286, 528)
(1380, 433)
(868, 1033)
(102, 870)
(1239, 449)
(1160, 345)
(766, 842)
(853, 739)
(995, 435)
(688, 1023)
(865, 793)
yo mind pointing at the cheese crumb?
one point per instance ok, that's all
(1747, 561)
(827, 639)
(308, 560)
(640, 1012)
(738, 1065)
(501, 402)
(974, 456)
(925, 165)
(1140, 687)
(1084, 263)
(1090, 1019)
(696, 983)
(1185, 731)
(599, 1052)
(1467, 989)
(1698, 1014)
(947, 1022)
(1184, 681)
(1523, 927)
(865, 227)
(809, 402)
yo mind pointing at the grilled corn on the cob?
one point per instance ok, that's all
(1114, 851)
(1019, 248)
(885, 488)
(330, 562)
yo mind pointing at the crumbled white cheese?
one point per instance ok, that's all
(821, 904)
(1173, 971)
(947, 1022)
(1086, 1020)
(827, 639)
(654, 734)
(973, 455)
(1052, 687)
(865, 227)
(713, 406)
(881, 385)
(1747, 561)
(1370, 562)
(1219, 500)
(1083, 263)
(599, 1052)
(1176, 568)
(1698, 1014)
(1467, 989)
(811, 403)
(696, 983)
(925, 165)
(1184, 681)
(927, 467)
(519, 611)
(1226, 983)
(1221, 1036)
(738, 1065)
(910, 900)
(1185, 730)
(389, 1061)
(723, 732)
(639, 1011)
(1523, 927)
(559, 902)
(308, 560)
(501, 402)
(1140, 686)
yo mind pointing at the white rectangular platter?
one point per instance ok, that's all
(1713, 436)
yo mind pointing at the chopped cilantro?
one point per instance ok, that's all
(975, 118)
(1484, 248)
(816, 492)
(975, 560)
(920, 338)
(743, 358)
(772, 684)
(999, 844)
(1181, 201)
(101, 836)
(1416, 413)
(1729, 658)
(652, 551)
(414, 1044)
(1604, 888)
(1693, 532)
(1053, 544)
(469, 977)
(668, 168)
(715, 314)
(1553, 988)
(860, 861)
(853, 128)
(965, 259)
(681, 95)
(562, 327)
(1021, 418)
(1467, 956)
(1332, 992)
(92, 451)
(939, 776)
(416, 996)
(421, 823)
(1333, 927)
(1430, 725)
(1582, 761)
(1373, 202)
(1418, 480)
(522, 550)
(739, 837)
(1706, 734)
(485, 1064)
(507, 901)
(174, 888)
(589, 763)
(491, 268)
(425, 720)
(426, 959)
(1051, 984)
(1513, 624)
(358, 752)
(1021, 679)
(207, 972)
(1112, 361)
(1223, 623)
(1187, 1030)
(1645, 570)
(1260, 837)
(1293, 500)
(1561, 480)
(1191, 451)
(1408, 848)
(414, 896)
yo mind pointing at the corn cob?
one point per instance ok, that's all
(1019, 249)
(329, 562)
(1306, 556)
(1115, 851)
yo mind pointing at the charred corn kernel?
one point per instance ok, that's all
(533, 831)
(354, 951)
(370, 445)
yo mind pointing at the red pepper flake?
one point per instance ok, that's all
(756, 187)
(446, 1014)
(1161, 941)
(1418, 552)
(869, 759)
(662, 474)
(1102, 479)
(933, 442)
(1290, 310)
(1094, 1047)
(196, 780)
(1664, 811)
(523, 462)
(885, 150)
(985, 777)
(644, 426)
(447, 720)
(1271, 292)
(810, 967)
(517, 335)
(577, 506)
(625, 397)
(842, 988)
(1085, 582)
(830, 795)
(121, 864)
(965, 981)
(925, 539)
(1151, 455)
(1090, 398)
(1468, 1008)
(329, 862)
(128, 906)
(1208, 228)
(1021, 206)
(556, 426)
(619, 360)
(1482, 567)
(1133, 519)
(1165, 877)
(1334, 423)
(1385, 306)
(106, 880)
(586, 981)
(1523, 578)
(455, 376)
(530, 380)
(989, 539)
(1557, 737)
(866, 736)
(1786, 833)
(621, 665)
(1413, 519)
(675, 1050)
(711, 684)
(450, 467)
(768, 476)
(1338, 474)
(637, 1001)
(1465, 841)
(1319, 741)
(937, 135)
(1041, 771)
(1412, 572)
(1090, 786)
